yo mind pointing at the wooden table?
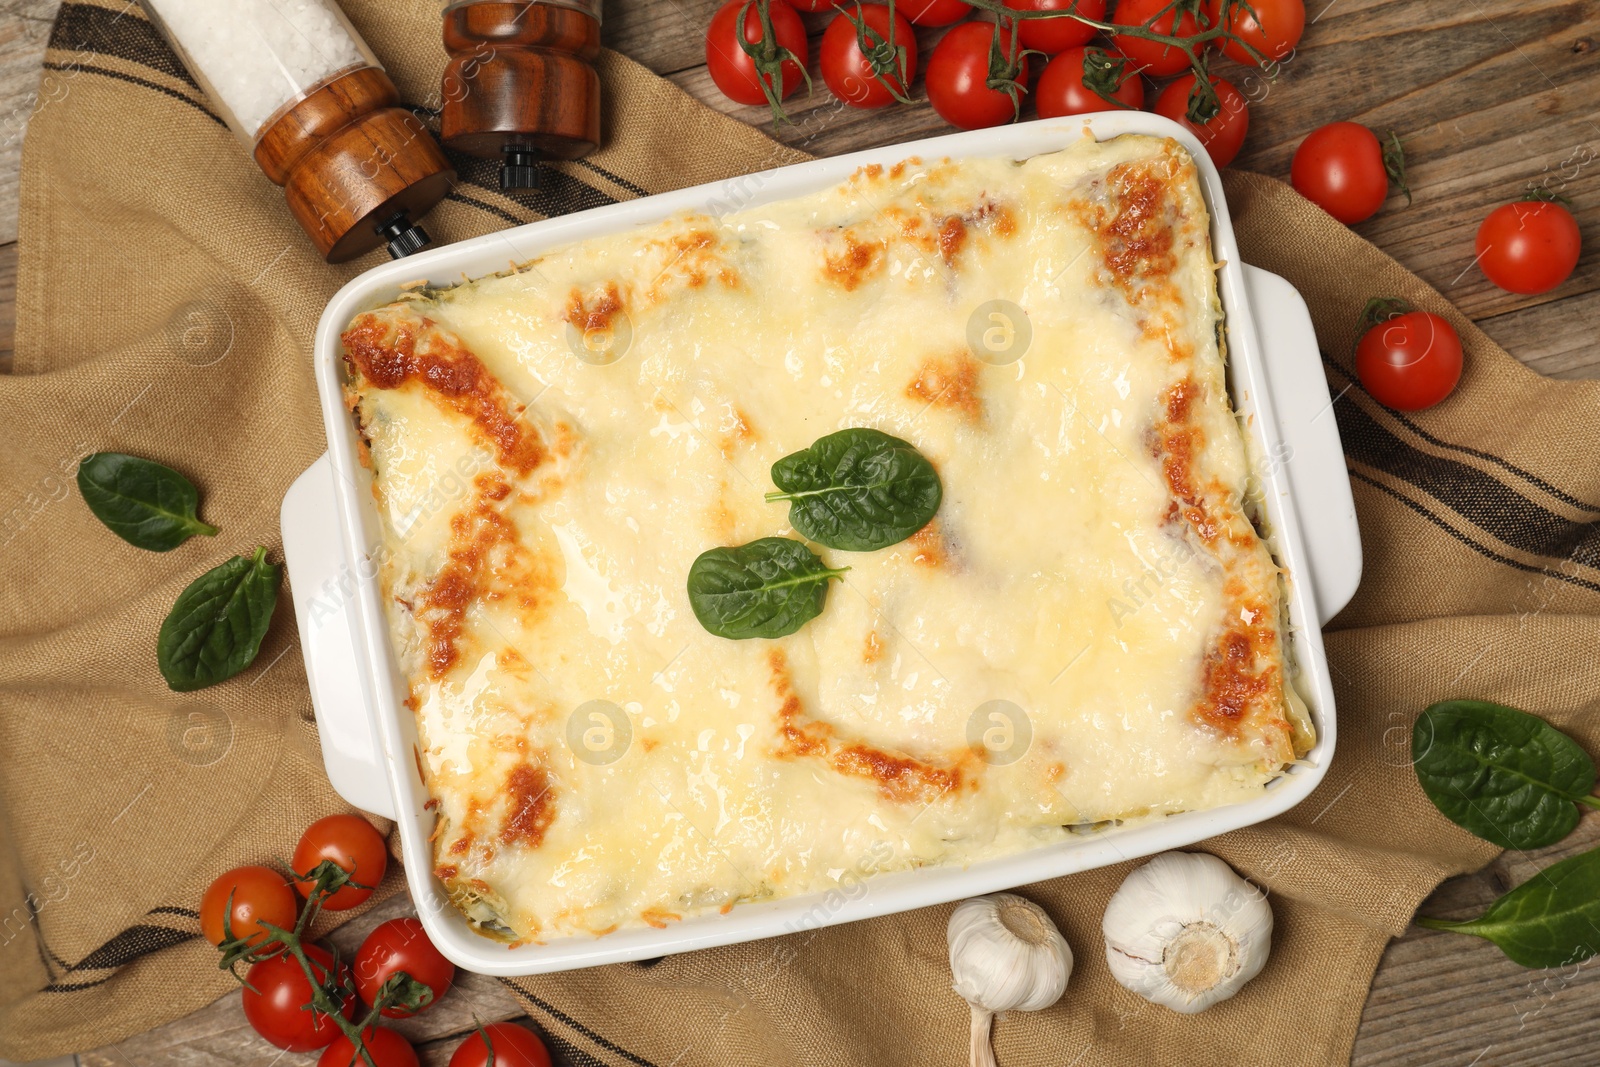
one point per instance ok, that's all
(1487, 96)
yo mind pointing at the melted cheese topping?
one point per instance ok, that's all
(1088, 631)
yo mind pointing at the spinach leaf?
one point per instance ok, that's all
(1507, 776)
(144, 503)
(768, 588)
(1551, 920)
(215, 629)
(857, 490)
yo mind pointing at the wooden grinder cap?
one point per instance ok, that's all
(355, 166)
(521, 82)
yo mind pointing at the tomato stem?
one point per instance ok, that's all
(1104, 74)
(329, 994)
(1005, 71)
(1394, 164)
(1204, 104)
(1206, 34)
(1382, 309)
(885, 59)
(1203, 99)
(1536, 191)
(768, 57)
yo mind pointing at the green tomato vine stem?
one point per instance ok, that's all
(1381, 309)
(1203, 106)
(329, 994)
(885, 58)
(767, 56)
(1205, 35)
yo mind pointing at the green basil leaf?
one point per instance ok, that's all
(1551, 920)
(145, 504)
(768, 588)
(1507, 776)
(857, 490)
(215, 629)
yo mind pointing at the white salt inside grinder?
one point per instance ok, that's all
(253, 57)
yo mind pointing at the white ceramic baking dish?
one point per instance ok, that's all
(330, 525)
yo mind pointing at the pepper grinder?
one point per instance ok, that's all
(521, 84)
(306, 96)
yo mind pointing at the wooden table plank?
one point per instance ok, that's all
(1486, 98)
(24, 27)
(1555, 339)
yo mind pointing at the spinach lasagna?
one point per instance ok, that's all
(1090, 630)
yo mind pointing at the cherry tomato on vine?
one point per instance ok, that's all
(959, 78)
(1340, 168)
(1409, 362)
(1529, 247)
(276, 994)
(1154, 58)
(1224, 134)
(734, 70)
(1274, 29)
(874, 77)
(933, 12)
(1061, 90)
(401, 945)
(514, 1046)
(387, 1049)
(1057, 34)
(260, 894)
(352, 843)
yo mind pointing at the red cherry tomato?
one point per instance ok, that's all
(1058, 34)
(387, 1049)
(276, 994)
(1529, 247)
(958, 78)
(1224, 134)
(933, 12)
(352, 843)
(401, 945)
(514, 1046)
(1340, 168)
(1153, 58)
(1061, 90)
(1410, 362)
(1274, 29)
(865, 79)
(732, 68)
(259, 894)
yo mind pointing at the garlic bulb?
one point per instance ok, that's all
(1005, 955)
(1184, 931)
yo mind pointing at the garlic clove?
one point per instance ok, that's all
(1005, 955)
(1184, 931)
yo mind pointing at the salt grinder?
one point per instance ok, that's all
(521, 85)
(306, 96)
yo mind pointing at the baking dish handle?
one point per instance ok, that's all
(1314, 458)
(323, 586)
